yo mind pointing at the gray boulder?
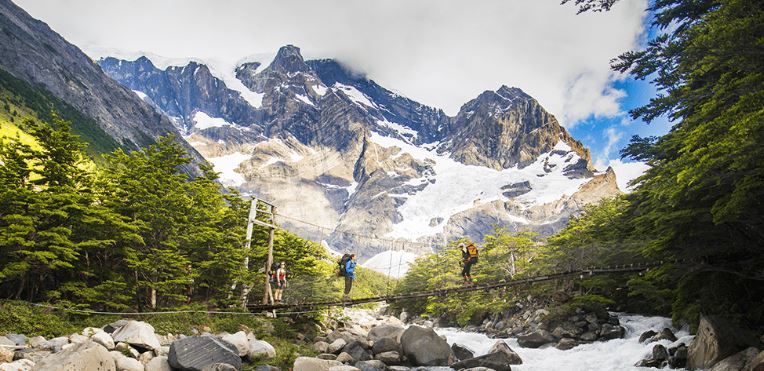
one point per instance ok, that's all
(678, 358)
(219, 367)
(385, 345)
(357, 351)
(37, 342)
(385, 331)
(104, 339)
(566, 344)
(17, 365)
(82, 356)
(389, 358)
(461, 352)
(737, 361)
(194, 353)
(261, 350)
(138, 334)
(314, 364)
(423, 347)
(343, 368)
(502, 347)
(717, 339)
(239, 340)
(125, 363)
(321, 346)
(267, 368)
(372, 365)
(159, 363)
(535, 339)
(647, 335)
(17, 339)
(498, 361)
(345, 357)
(398, 368)
(610, 332)
(336, 346)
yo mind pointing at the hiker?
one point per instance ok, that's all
(280, 282)
(347, 269)
(469, 257)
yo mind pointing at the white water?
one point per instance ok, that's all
(619, 354)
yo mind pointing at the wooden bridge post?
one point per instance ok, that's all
(247, 249)
(268, 294)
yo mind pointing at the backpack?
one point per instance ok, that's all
(342, 263)
(473, 251)
(274, 268)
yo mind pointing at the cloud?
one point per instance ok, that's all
(440, 52)
(626, 172)
(613, 136)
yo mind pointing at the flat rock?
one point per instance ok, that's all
(37, 341)
(329, 356)
(314, 364)
(17, 339)
(138, 334)
(83, 356)
(196, 352)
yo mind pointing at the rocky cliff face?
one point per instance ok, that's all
(335, 149)
(32, 52)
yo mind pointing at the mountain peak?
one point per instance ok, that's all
(290, 59)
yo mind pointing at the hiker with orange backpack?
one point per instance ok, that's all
(469, 258)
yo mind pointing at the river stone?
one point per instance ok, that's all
(56, 344)
(336, 346)
(461, 352)
(138, 334)
(660, 353)
(357, 351)
(566, 344)
(385, 331)
(678, 357)
(196, 352)
(589, 336)
(34, 355)
(423, 347)
(83, 356)
(125, 363)
(737, 361)
(239, 340)
(77, 338)
(159, 363)
(502, 347)
(757, 363)
(329, 356)
(647, 335)
(610, 332)
(314, 364)
(114, 326)
(267, 368)
(17, 339)
(6, 354)
(398, 368)
(535, 339)
(261, 350)
(17, 365)
(717, 339)
(219, 367)
(385, 345)
(389, 358)
(37, 342)
(372, 365)
(343, 368)
(321, 346)
(499, 361)
(104, 339)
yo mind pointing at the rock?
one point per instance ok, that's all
(665, 334)
(37, 342)
(7, 342)
(385, 331)
(502, 347)
(138, 334)
(566, 344)
(56, 344)
(757, 363)
(146, 357)
(260, 350)
(610, 332)
(17, 339)
(83, 356)
(660, 353)
(397, 368)
(499, 361)
(321, 347)
(345, 357)
(18, 365)
(314, 364)
(385, 345)
(737, 361)
(535, 339)
(717, 339)
(159, 363)
(404, 317)
(125, 363)
(343, 368)
(267, 368)
(90, 331)
(461, 352)
(423, 347)
(588, 336)
(77, 338)
(6, 354)
(647, 335)
(373, 365)
(357, 351)
(240, 341)
(125, 348)
(196, 352)
(104, 339)
(34, 355)
(336, 346)
(114, 326)
(329, 356)
(219, 367)
(679, 357)
(389, 358)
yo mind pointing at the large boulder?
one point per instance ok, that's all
(138, 334)
(502, 347)
(717, 339)
(82, 356)
(196, 352)
(314, 364)
(737, 361)
(239, 340)
(610, 332)
(385, 331)
(535, 339)
(757, 363)
(158, 364)
(260, 350)
(461, 352)
(423, 347)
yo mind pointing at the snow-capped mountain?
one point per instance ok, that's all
(334, 148)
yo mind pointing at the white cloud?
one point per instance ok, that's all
(613, 136)
(626, 172)
(441, 52)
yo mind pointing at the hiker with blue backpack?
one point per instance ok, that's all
(347, 269)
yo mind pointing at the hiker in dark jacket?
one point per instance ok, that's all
(349, 276)
(469, 258)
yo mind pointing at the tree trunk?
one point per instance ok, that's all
(153, 294)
